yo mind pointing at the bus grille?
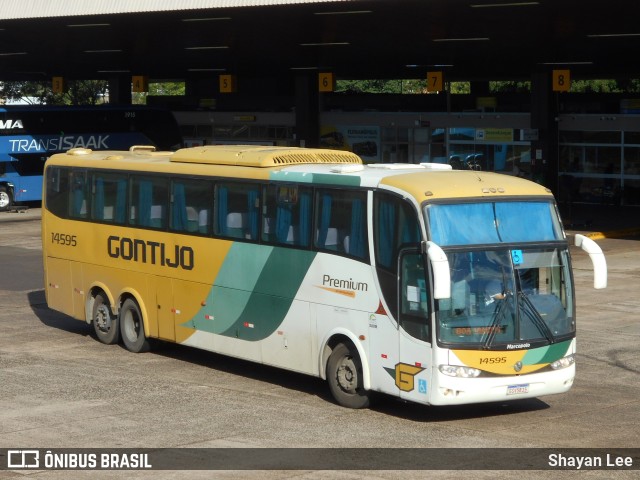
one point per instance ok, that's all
(330, 157)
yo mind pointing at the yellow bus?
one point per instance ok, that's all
(435, 286)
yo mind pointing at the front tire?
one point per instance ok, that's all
(104, 323)
(132, 327)
(344, 375)
(6, 199)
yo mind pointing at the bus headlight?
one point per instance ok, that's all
(458, 371)
(564, 362)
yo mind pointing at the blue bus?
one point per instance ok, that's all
(31, 134)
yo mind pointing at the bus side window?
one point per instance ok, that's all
(342, 222)
(237, 210)
(57, 191)
(191, 202)
(79, 196)
(109, 192)
(149, 201)
(396, 225)
(287, 215)
(414, 302)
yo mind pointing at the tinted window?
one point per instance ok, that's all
(149, 202)
(237, 210)
(341, 222)
(191, 206)
(109, 197)
(287, 218)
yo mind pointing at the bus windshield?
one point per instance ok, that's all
(504, 296)
(493, 222)
(507, 285)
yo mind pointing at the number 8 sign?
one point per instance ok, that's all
(561, 80)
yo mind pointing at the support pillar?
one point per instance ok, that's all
(120, 90)
(307, 110)
(544, 151)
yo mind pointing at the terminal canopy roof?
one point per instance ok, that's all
(181, 39)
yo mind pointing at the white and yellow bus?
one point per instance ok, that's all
(436, 286)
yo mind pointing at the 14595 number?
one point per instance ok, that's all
(64, 239)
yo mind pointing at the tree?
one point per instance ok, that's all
(77, 92)
(159, 89)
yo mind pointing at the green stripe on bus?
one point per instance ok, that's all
(260, 285)
(317, 178)
(548, 354)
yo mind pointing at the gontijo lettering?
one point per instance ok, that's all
(155, 253)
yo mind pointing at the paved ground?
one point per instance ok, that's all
(60, 388)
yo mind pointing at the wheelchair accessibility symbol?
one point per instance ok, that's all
(422, 386)
(516, 256)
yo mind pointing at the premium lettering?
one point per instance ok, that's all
(329, 281)
(146, 251)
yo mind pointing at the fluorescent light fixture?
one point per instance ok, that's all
(89, 25)
(324, 44)
(103, 51)
(510, 4)
(216, 47)
(215, 19)
(438, 65)
(463, 39)
(613, 35)
(347, 12)
(114, 71)
(304, 68)
(206, 69)
(9, 54)
(566, 63)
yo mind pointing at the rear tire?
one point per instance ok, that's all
(132, 327)
(344, 374)
(6, 199)
(104, 323)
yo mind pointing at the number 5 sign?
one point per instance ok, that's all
(434, 82)
(228, 84)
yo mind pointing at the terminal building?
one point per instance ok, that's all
(267, 72)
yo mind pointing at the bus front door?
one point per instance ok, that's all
(414, 368)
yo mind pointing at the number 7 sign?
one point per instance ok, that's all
(434, 82)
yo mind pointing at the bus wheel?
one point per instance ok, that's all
(132, 328)
(344, 374)
(5, 199)
(104, 323)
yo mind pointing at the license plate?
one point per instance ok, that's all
(517, 389)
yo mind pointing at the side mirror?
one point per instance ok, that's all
(597, 258)
(441, 275)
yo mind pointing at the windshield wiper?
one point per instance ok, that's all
(530, 310)
(495, 321)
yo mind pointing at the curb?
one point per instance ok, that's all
(622, 233)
